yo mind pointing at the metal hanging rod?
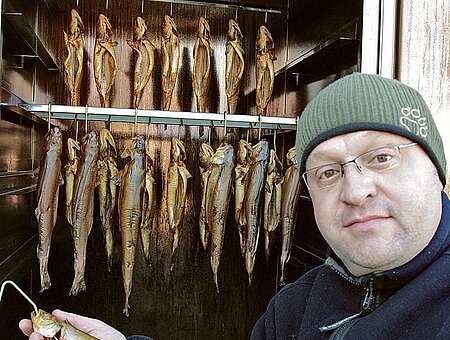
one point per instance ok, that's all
(66, 112)
(223, 4)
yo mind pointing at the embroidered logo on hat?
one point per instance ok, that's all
(414, 122)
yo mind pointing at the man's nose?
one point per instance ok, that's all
(356, 185)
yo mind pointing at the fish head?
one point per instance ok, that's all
(89, 143)
(203, 28)
(224, 155)
(45, 323)
(169, 27)
(244, 150)
(140, 27)
(264, 41)
(137, 145)
(205, 154)
(104, 28)
(260, 151)
(178, 150)
(53, 140)
(76, 24)
(234, 31)
(72, 147)
(291, 157)
(274, 162)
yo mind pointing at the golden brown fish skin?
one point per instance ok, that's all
(218, 193)
(177, 177)
(51, 328)
(144, 59)
(205, 155)
(107, 169)
(265, 71)
(73, 64)
(130, 203)
(250, 213)
(149, 210)
(104, 53)
(83, 206)
(242, 167)
(289, 207)
(234, 64)
(49, 180)
(70, 170)
(272, 200)
(170, 51)
(201, 76)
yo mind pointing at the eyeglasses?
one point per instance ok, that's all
(376, 160)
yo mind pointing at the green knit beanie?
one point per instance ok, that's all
(369, 102)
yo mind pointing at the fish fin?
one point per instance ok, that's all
(61, 179)
(267, 188)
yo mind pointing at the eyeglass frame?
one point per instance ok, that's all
(358, 167)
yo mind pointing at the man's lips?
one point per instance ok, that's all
(365, 220)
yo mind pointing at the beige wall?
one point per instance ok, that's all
(424, 57)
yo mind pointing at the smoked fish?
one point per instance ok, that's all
(234, 64)
(149, 209)
(201, 76)
(251, 210)
(73, 147)
(218, 195)
(83, 206)
(107, 189)
(242, 167)
(49, 180)
(205, 155)
(265, 72)
(144, 59)
(289, 207)
(177, 177)
(73, 64)
(105, 63)
(272, 200)
(132, 181)
(170, 50)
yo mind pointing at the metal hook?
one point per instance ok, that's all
(142, 7)
(225, 125)
(76, 130)
(107, 6)
(12, 283)
(259, 128)
(275, 140)
(77, 5)
(135, 120)
(205, 14)
(49, 115)
(248, 134)
(265, 18)
(86, 119)
(235, 15)
(171, 9)
(209, 135)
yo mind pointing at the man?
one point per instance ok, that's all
(373, 162)
(374, 165)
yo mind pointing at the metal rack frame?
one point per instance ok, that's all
(90, 113)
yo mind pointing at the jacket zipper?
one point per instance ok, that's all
(341, 327)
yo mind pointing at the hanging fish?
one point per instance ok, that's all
(250, 213)
(234, 64)
(170, 50)
(133, 183)
(265, 72)
(107, 190)
(242, 167)
(205, 155)
(49, 180)
(83, 206)
(272, 200)
(289, 207)
(73, 64)
(149, 209)
(202, 64)
(144, 59)
(105, 63)
(71, 169)
(218, 194)
(176, 190)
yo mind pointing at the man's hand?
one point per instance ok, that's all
(93, 327)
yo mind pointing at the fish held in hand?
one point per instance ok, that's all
(49, 180)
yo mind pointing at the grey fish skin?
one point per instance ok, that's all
(131, 194)
(241, 170)
(291, 190)
(205, 155)
(218, 195)
(83, 207)
(250, 214)
(49, 180)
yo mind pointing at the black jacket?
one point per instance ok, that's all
(408, 302)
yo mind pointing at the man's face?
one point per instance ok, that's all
(376, 221)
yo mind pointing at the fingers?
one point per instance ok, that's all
(82, 323)
(36, 336)
(26, 327)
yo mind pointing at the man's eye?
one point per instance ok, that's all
(327, 174)
(382, 158)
